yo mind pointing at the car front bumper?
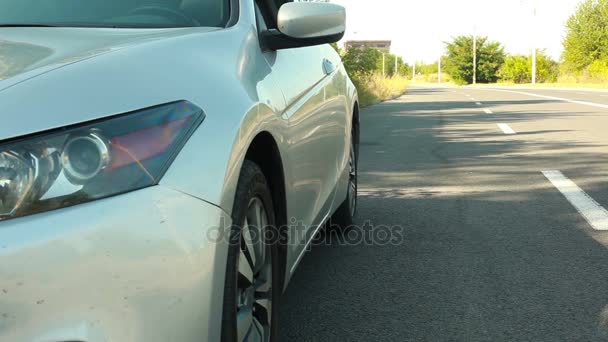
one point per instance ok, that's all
(148, 265)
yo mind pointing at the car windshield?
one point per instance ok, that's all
(115, 13)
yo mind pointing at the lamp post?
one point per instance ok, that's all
(438, 38)
(439, 70)
(474, 55)
(534, 47)
(396, 66)
(383, 64)
(533, 37)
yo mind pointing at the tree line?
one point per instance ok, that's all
(366, 62)
(493, 64)
(584, 60)
(375, 73)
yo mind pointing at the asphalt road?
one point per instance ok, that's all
(491, 250)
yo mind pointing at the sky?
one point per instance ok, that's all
(418, 27)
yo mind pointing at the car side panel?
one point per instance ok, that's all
(344, 95)
(311, 149)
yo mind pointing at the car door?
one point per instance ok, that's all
(315, 132)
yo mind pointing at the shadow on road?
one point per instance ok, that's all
(489, 250)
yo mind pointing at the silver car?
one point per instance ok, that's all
(165, 164)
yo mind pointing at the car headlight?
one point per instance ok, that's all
(92, 161)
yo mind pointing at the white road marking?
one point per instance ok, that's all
(478, 103)
(506, 129)
(594, 213)
(487, 111)
(585, 103)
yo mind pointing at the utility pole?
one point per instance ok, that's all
(534, 66)
(414, 72)
(475, 58)
(383, 63)
(396, 66)
(533, 36)
(439, 70)
(437, 37)
(534, 46)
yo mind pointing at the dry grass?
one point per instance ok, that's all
(375, 88)
(564, 85)
(433, 78)
(585, 80)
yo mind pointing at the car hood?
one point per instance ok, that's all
(28, 52)
(56, 77)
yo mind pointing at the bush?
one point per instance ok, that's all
(518, 69)
(598, 70)
(594, 74)
(547, 70)
(568, 78)
(515, 70)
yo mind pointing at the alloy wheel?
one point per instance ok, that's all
(254, 284)
(352, 179)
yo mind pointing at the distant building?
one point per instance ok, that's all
(383, 45)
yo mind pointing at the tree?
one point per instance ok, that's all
(367, 61)
(362, 61)
(335, 47)
(405, 69)
(389, 64)
(459, 62)
(586, 35)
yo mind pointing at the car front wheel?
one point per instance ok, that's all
(252, 287)
(343, 217)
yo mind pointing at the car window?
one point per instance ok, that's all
(115, 13)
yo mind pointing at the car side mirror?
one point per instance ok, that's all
(305, 24)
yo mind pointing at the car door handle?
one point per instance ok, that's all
(328, 66)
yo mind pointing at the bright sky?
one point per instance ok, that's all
(418, 27)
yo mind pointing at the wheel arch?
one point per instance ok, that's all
(356, 120)
(265, 152)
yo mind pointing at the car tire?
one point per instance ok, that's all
(250, 291)
(345, 214)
